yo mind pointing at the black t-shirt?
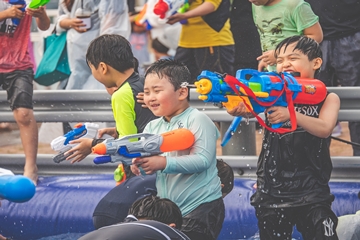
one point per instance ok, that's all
(338, 18)
(293, 168)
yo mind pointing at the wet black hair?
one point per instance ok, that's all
(304, 44)
(226, 175)
(113, 50)
(158, 209)
(175, 71)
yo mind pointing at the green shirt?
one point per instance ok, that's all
(282, 20)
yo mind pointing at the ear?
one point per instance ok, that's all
(173, 225)
(183, 93)
(317, 62)
(103, 68)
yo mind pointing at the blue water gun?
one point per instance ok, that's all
(258, 91)
(62, 144)
(15, 188)
(142, 145)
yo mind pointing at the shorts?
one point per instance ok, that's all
(19, 87)
(205, 221)
(217, 59)
(316, 221)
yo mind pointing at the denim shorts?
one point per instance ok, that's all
(19, 87)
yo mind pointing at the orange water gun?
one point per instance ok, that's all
(125, 149)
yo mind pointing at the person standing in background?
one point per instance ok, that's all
(340, 21)
(206, 41)
(17, 75)
(246, 37)
(106, 16)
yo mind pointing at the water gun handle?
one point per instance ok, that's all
(231, 130)
(102, 159)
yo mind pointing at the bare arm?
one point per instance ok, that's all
(12, 12)
(42, 19)
(315, 32)
(321, 126)
(201, 10)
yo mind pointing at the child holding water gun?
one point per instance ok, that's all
(294, 168)
(16, 73)
(188, 178)
(113, 64)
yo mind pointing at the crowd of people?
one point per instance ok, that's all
(294, 168)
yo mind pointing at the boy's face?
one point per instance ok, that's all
(99, 75)
(160, 96)
(295, 61)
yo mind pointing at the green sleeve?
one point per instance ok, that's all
(123, 105)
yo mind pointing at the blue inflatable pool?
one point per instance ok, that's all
(64, 204)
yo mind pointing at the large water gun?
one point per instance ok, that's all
(15, 188)
(33, 4)
(165, 8)
(61, 144)
(125, 149)
(155, 13)
(258, 91)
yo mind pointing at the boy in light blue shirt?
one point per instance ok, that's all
(188, 178)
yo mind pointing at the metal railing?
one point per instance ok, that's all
(95, 106)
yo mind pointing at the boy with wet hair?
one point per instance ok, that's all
(113, 64)
(188, 178)
(150, 217)
(294, 168)
(155, 208)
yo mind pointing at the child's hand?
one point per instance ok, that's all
(15, 12)
(80, 151)
(140, 99)
(240, 110)
(148, 164)
(38, 13)
(277, 114)
(262, 66)
(267, 58)
(110, 131)
(177, 17)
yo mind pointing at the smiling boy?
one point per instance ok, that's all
(188, 178)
